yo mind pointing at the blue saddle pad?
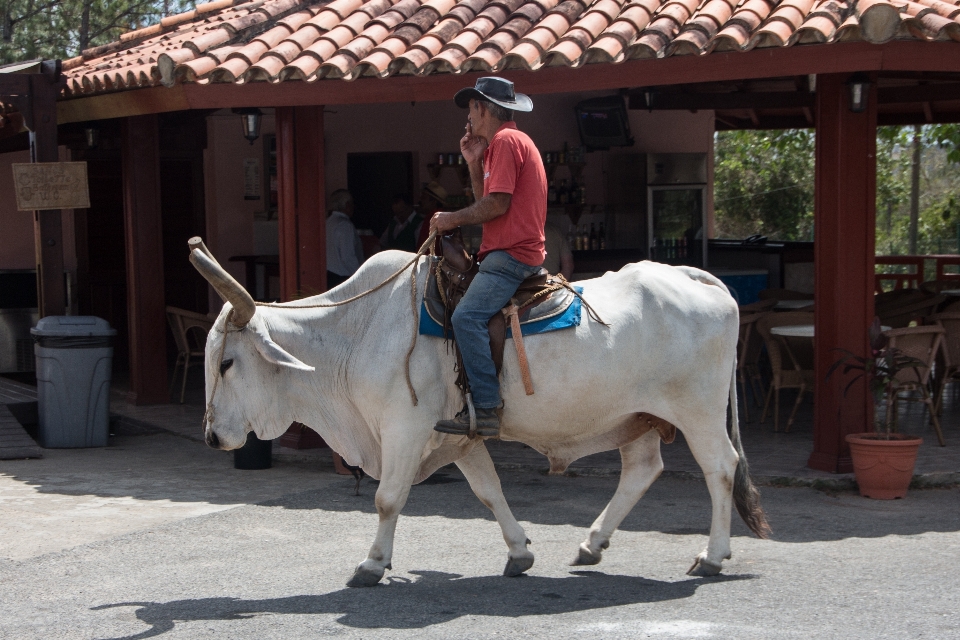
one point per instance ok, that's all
(567, 319)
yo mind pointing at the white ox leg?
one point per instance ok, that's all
(400, 463)
(478, 468)
(717, 458)
(642, 465)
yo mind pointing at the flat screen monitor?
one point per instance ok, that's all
(603, 123)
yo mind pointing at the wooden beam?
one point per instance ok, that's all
(287, 204)
(311, 201)
(660, 100)
(844, 227)
(143, 234)
(715, 67)
(47, 225)
(919, 93)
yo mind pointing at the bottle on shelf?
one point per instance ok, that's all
(563, 154)
(552, 193)
(573, 193)
(602, 238)
(582, 238)
(571, 238)
(562, 192)
(594, 241)
(583, 195)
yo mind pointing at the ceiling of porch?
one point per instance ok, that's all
(274, 41)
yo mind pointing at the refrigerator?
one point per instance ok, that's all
(676, 208)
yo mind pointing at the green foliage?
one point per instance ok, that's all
(63, 28)
(764, 184)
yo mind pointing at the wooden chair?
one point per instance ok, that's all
(758, 307)
(190, 334)
(784, 294)
(791, 368)
(900, 314)
(748, 357)
(921, 343)
(948, 360)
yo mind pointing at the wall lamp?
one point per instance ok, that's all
(91, 135)
(859, 86)
(250, 118)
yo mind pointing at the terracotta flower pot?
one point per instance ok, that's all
(883, 468)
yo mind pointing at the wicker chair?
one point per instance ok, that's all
(921, 343)
(791, 369)
(748, 359)
(948, 360)
(190, 334)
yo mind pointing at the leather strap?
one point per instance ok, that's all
(512, 312)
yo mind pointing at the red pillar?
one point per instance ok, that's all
(143, 234)
(302, 207)
(845, 203)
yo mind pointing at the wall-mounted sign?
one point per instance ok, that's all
(51, 185)
(251, 179)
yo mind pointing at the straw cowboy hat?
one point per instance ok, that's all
(435, 191)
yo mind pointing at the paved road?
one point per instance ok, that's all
(159, 537)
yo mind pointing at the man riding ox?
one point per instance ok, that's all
(349, 364)
(506, 168)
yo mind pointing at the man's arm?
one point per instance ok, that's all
(483, 210)
(476, 179)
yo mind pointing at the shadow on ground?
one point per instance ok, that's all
(433, 598)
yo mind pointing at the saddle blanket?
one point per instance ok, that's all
(569, 318)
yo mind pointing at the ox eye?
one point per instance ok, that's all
(226, 364)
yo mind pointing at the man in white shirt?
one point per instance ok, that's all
(344, 250)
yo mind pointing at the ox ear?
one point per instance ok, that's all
(272, 352)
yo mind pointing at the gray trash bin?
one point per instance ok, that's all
(74, 357)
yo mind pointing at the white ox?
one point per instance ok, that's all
(669, 352)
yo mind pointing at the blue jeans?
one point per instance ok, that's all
(491, 290)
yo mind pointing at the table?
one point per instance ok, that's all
(951, 292)
(790, 305)
(801, 330)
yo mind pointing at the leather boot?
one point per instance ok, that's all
(488, 423)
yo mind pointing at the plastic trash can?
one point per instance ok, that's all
(74, 357)
(254, 454)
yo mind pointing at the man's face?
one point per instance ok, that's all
(476, 116)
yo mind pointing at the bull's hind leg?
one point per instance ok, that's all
(717, 458)
(399, 470)
(479, 471)
(642, 465)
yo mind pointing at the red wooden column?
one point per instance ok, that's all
(302, 206)
(143, 234)
(845, 203)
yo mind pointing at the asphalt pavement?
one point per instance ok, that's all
(158, 536)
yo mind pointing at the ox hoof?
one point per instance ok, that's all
(703, 568)
(516, 566)
(586, 557)
(364, 577)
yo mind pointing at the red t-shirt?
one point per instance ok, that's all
(512, 164)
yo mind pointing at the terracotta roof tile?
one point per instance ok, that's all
(279, 40)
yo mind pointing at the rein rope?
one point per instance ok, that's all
(427, 247)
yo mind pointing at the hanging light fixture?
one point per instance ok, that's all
(859, 86)
(250, 119)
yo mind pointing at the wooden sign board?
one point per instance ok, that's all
(51, 185)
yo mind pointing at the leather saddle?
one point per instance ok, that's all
(539, 297)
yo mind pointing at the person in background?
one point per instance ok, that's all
(433, 198)
(404, 228)
(559, 257)
(344, 250)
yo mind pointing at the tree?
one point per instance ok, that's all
(763, 183)
(63, 28)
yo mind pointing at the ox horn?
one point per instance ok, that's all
(228, 288)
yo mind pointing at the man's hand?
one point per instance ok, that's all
(471, 146)
(443, 221)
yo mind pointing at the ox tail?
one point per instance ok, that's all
(745, 494)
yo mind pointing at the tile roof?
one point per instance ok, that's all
(240, 41)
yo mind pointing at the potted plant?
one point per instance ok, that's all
(883, 460)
